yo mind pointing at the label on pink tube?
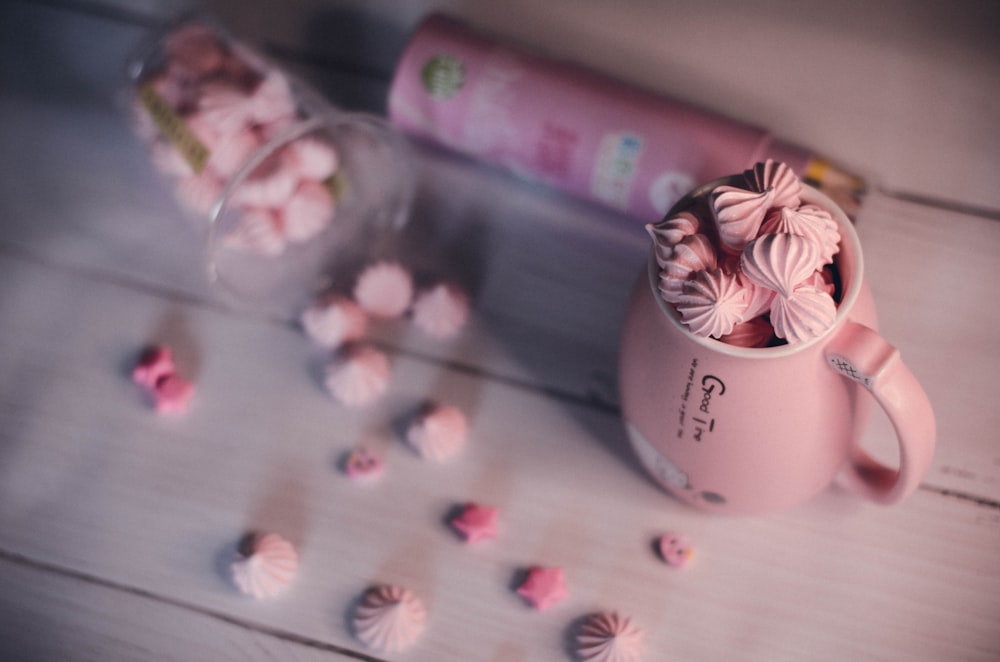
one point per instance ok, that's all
(564, 126)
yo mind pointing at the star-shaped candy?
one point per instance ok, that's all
(476, 522)
(543, 587)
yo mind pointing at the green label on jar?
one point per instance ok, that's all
(173, 128)
(443, 76)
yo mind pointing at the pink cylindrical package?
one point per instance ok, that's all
(573, 129)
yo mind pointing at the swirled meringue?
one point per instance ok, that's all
(692, 254)
(333, 320)
(809, 221)
(669, 232)
(777, 180)
(779, 262)
(438, 431)
(803, 315)
(357, 374)
(389, 618)
(442, 310)
(740, 211)
(267, 567)
(384, 289)
(712, 303)
(608, 637)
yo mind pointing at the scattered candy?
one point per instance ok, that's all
(675, 550)
(608, 637)
(438, 431)
(266, 567)
(362, 464)
(543, 587)
(154, 364)
(388, 618)
(173, 394)
(384, 289)
(442, 310)
(475, 522)
(333, 320)
(357, 375)
(156, 373)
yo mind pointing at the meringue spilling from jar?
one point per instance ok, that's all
(748, 263)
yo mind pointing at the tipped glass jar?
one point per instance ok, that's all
(289, 192)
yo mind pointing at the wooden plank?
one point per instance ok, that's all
(92, 481)
(50, 614)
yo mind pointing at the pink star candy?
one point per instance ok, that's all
(362, 464)
(154, 364)
(476, 522)
(173, 394)
(675, 550)
(543, 587)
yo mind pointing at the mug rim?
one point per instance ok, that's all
(849, 256)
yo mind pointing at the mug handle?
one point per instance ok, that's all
(860, 354)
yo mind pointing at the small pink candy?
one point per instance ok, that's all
(313, 158)
(543, 587)
(362, 464)
(675, 550)
(476, 522)
(307, 212)
(173, 394)
(154, 364)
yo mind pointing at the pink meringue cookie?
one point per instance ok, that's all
(668, 233)
(266, 567)
(226, 106)
(780, 262)
(195, 48)
(759, 298)
(199, 193)
(258, 232)
(712, 303)
(543, 587)
(609, 637)
(755, 332)
(357, 375)
(333, 320)
(805, 314)
(476, 522)
(738, 215)
(808, 221)
(438, 431)
(777, 180)
(270, 184)
(307, 212)
(389, 618)
(232, 151)
(442, 310)
(694, 253)
(312, 158)
(384, 289)
(272, 101)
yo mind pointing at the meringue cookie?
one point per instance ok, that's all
(272, 101)
(675, 550)
(389, 618)
(172, 394)
(312, 158)
(357, 375)
(258, 231)
(334, 320)
(362, 464)
(438, 432)
(307, 212)
(608, 637)
(712, 303)
(442, 310)
(384, 289)
(779, 262)
(738, 215)
(808, 221)
(803, 315)
(543, 587)
(692, 254)
(267, 567)
(777, 180)
(669, 232)
(154, 364)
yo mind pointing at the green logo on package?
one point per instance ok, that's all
(443, 76)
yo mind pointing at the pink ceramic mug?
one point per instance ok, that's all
(753, 430)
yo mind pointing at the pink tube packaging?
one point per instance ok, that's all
(573, 129)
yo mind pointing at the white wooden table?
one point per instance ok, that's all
(116, 525)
